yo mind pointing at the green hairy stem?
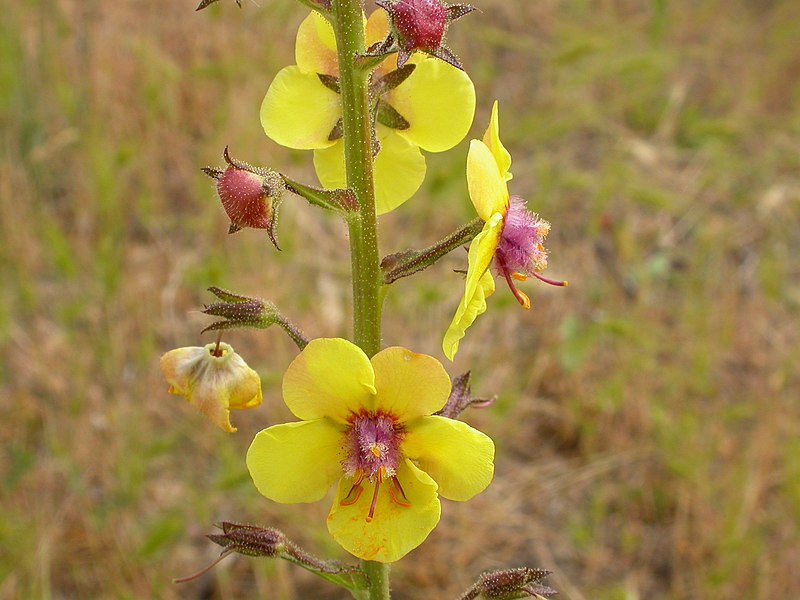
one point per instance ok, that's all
(346, 16)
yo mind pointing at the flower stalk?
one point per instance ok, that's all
(358, 152)
(402, 264)
(365, 259)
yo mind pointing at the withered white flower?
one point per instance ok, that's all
(214, 379)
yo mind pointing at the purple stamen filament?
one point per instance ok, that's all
(550, 281)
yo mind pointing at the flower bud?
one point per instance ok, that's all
(269, 542)
(243, 311)
(213, 379)
(250, 195)
(508, 584)
(250, 540)
(420, 25)
(240, 311)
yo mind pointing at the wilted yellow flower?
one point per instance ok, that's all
(213, 379)
(368, 425)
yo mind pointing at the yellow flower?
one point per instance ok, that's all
(213, 380)
(368, 425)
(299, 111)
(512, 239)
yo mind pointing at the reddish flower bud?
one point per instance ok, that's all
(420, 25)
(250, 195)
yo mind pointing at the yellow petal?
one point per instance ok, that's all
(487, 188)
(399, 169)
(212, 384)
(315, 46)
(298, 111)
(329, 165)
(478, 286)
(438, 101)
(377, 28)
(296, 462)
(481, 253)
(466, 315)
(331, 378)
(458, 457)
(492, 139)
(409, 385)
(395, 530)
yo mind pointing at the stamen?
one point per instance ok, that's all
(398, 488)
(375, 450)
(521, 298)
(355, 491)
(374, 500)
(520, 276)
(551, 281)
(353, 495)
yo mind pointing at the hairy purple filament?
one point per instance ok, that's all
(520, 252)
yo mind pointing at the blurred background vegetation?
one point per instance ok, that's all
(648, 428)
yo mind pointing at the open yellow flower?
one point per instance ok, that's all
(368, 425)
(213, 379)
(512, 239)
(300, 111)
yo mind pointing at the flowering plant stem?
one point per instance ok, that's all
(354, 86)
(347, 21)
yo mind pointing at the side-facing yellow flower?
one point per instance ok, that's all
(213, 379)
(368, 425)
(512, 239)
(302, 110)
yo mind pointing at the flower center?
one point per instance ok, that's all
(372, 454)
(521, 252)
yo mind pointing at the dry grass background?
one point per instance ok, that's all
(648, 428)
